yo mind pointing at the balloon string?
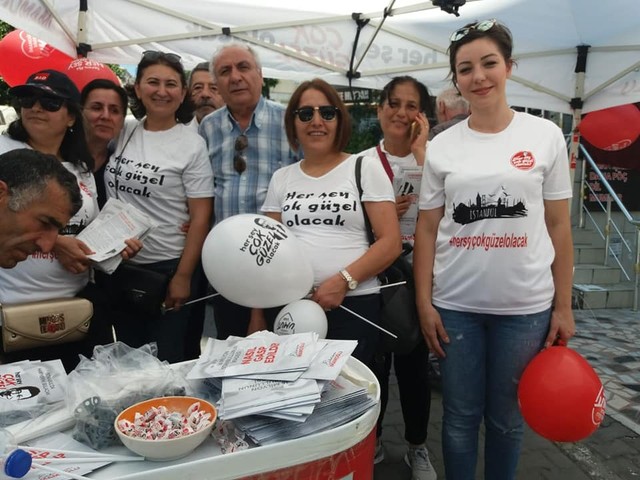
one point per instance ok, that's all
(215, 294)
(368, 321)
(163, 309)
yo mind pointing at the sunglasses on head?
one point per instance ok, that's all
(482, 26)
(50, 104)
(153, 55)
(327, 113)
(239, 162)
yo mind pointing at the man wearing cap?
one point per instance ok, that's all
(37, 198)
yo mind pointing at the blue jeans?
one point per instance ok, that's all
(480, 373)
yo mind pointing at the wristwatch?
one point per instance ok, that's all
(352, 283)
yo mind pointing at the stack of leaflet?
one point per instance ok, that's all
(292, 378)
(341, 402)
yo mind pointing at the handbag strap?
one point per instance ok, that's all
(367, 222)
(118, 158)
(385, 162)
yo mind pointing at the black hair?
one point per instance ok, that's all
(26, 173)
(426, 105)
(184, 113)
(103, 83)
(498, 33)
(74, 148)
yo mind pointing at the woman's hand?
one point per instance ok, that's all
(178, 291)
(433, 331)
(419, 143)
(72, 254)
(257, 323)
(562, 327)
(331, 292)
(131, 250)
(403, 202)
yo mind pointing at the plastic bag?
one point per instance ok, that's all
(116, 377)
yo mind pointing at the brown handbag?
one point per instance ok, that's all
(44, 323)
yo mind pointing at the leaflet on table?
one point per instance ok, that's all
(341, 402)
(246, 397)
(407, 182)
(39, 450)
(28, 389)
(105, 235)
(266, 353)
(330, 359)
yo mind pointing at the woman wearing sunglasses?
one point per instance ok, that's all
(160, 166)
(50, 121)
(493, 254)
(318, 199)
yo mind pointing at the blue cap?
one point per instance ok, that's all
(17, 464)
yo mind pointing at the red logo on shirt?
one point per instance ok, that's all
(523, 160)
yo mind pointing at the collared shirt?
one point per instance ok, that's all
(267, 151)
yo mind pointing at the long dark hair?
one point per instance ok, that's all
(184, 113)
(74, 147)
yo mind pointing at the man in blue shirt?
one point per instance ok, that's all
(246, 142)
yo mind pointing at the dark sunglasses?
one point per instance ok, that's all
(50, 104)
(153, 55)
(239, 162)
(327, 113)
(481, 26)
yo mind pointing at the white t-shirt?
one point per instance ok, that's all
(493, 251)
(406, 176)
(41, 276)
(158, 172)
(325, 213)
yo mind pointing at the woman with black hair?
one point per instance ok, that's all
(50, 121)
(160, 166)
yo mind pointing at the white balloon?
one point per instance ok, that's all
(255, 261)
(301, 316)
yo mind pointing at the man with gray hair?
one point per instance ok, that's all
(38, 196)
(451, 108)
(247, 143)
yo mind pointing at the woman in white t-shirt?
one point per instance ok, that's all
(493, 254)
(161, 167)
(403, 112)
(317, 198)
(50, 121)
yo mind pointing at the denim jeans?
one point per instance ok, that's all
(480, 373)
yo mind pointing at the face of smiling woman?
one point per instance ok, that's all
(161, 91)
(482, 73)
(317, 135)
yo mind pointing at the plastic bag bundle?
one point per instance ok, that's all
(116, 377)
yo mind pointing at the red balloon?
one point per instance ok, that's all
(613, 128)
(561, 397)
(22, 54)
(84, 70)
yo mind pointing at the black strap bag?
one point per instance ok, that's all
(399, 314)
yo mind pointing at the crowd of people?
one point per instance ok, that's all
(490, 233)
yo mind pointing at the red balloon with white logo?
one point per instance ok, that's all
(83, 70)
(612, 128)
(22, 54)
(560, 395)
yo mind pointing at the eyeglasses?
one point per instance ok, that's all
(153, 55)
(327, 113)
(482, 26)
(239, 162)
(50, 104)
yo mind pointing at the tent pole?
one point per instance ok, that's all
(82, 47)
(576, 104)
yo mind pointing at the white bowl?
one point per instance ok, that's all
(164, 450)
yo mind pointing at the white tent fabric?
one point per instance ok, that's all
(298, 41)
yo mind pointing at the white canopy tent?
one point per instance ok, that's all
(390, 37)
